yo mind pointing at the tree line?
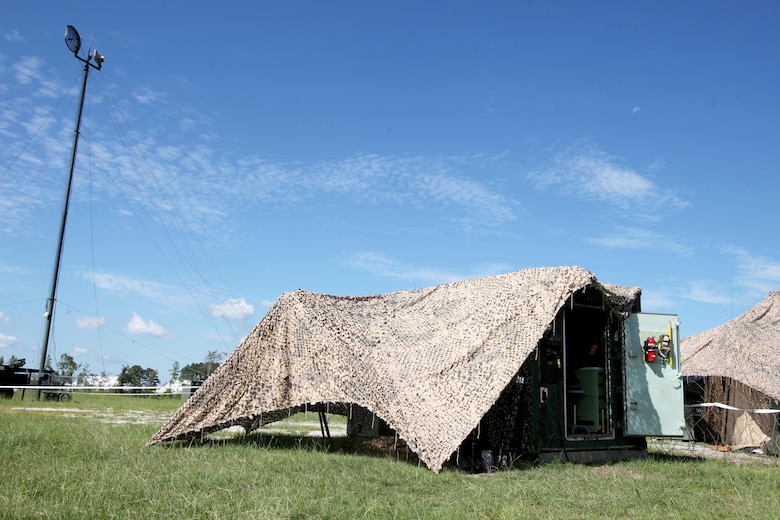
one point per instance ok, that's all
(79, 373)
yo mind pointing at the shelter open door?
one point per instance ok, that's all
(589, 332)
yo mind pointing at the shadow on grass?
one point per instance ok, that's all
(394, 449)
(379, 447)
(386, 447)
(674, 457)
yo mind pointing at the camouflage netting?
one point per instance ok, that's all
(746, 349)
(429, 362)
(735, 370)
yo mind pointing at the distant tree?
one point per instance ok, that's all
(198, 372)
(48, 366)
(67, 366)
(12, 360)
(84, 375)
(175, 371)
(2, 361)
(150, 377)
(137, 376)
(212, 361)
(194, 372)
(129, 376)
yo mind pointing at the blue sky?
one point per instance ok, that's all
(232, 152)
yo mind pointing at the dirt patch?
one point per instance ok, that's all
(108, 415)
(706, 451)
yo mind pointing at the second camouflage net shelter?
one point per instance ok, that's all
(746, 349)
(429, 362)
(734, 370)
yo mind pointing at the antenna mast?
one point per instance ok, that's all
(73, 41)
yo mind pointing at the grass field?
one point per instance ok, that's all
(87, 459)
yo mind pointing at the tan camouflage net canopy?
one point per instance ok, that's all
(429, 362)
(746, 349)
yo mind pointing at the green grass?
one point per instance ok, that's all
(64, 465)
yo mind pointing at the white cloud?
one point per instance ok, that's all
(201, 188)
(8, 341)
(441, 183)
(79, 351)
(587, 173)
(137, 325)
(382, 265)
(14, 36)
(760, 274)
(636, 109)
(89, 322)
(641, 239)
(657, 301)
(466, 193)
(418, 181)
(188, 123)
(28, 69)
(147, 96)
(234, 308)
(4, 317)
(705, 292)
(124, 284)
(756, 277)
(657, 165)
